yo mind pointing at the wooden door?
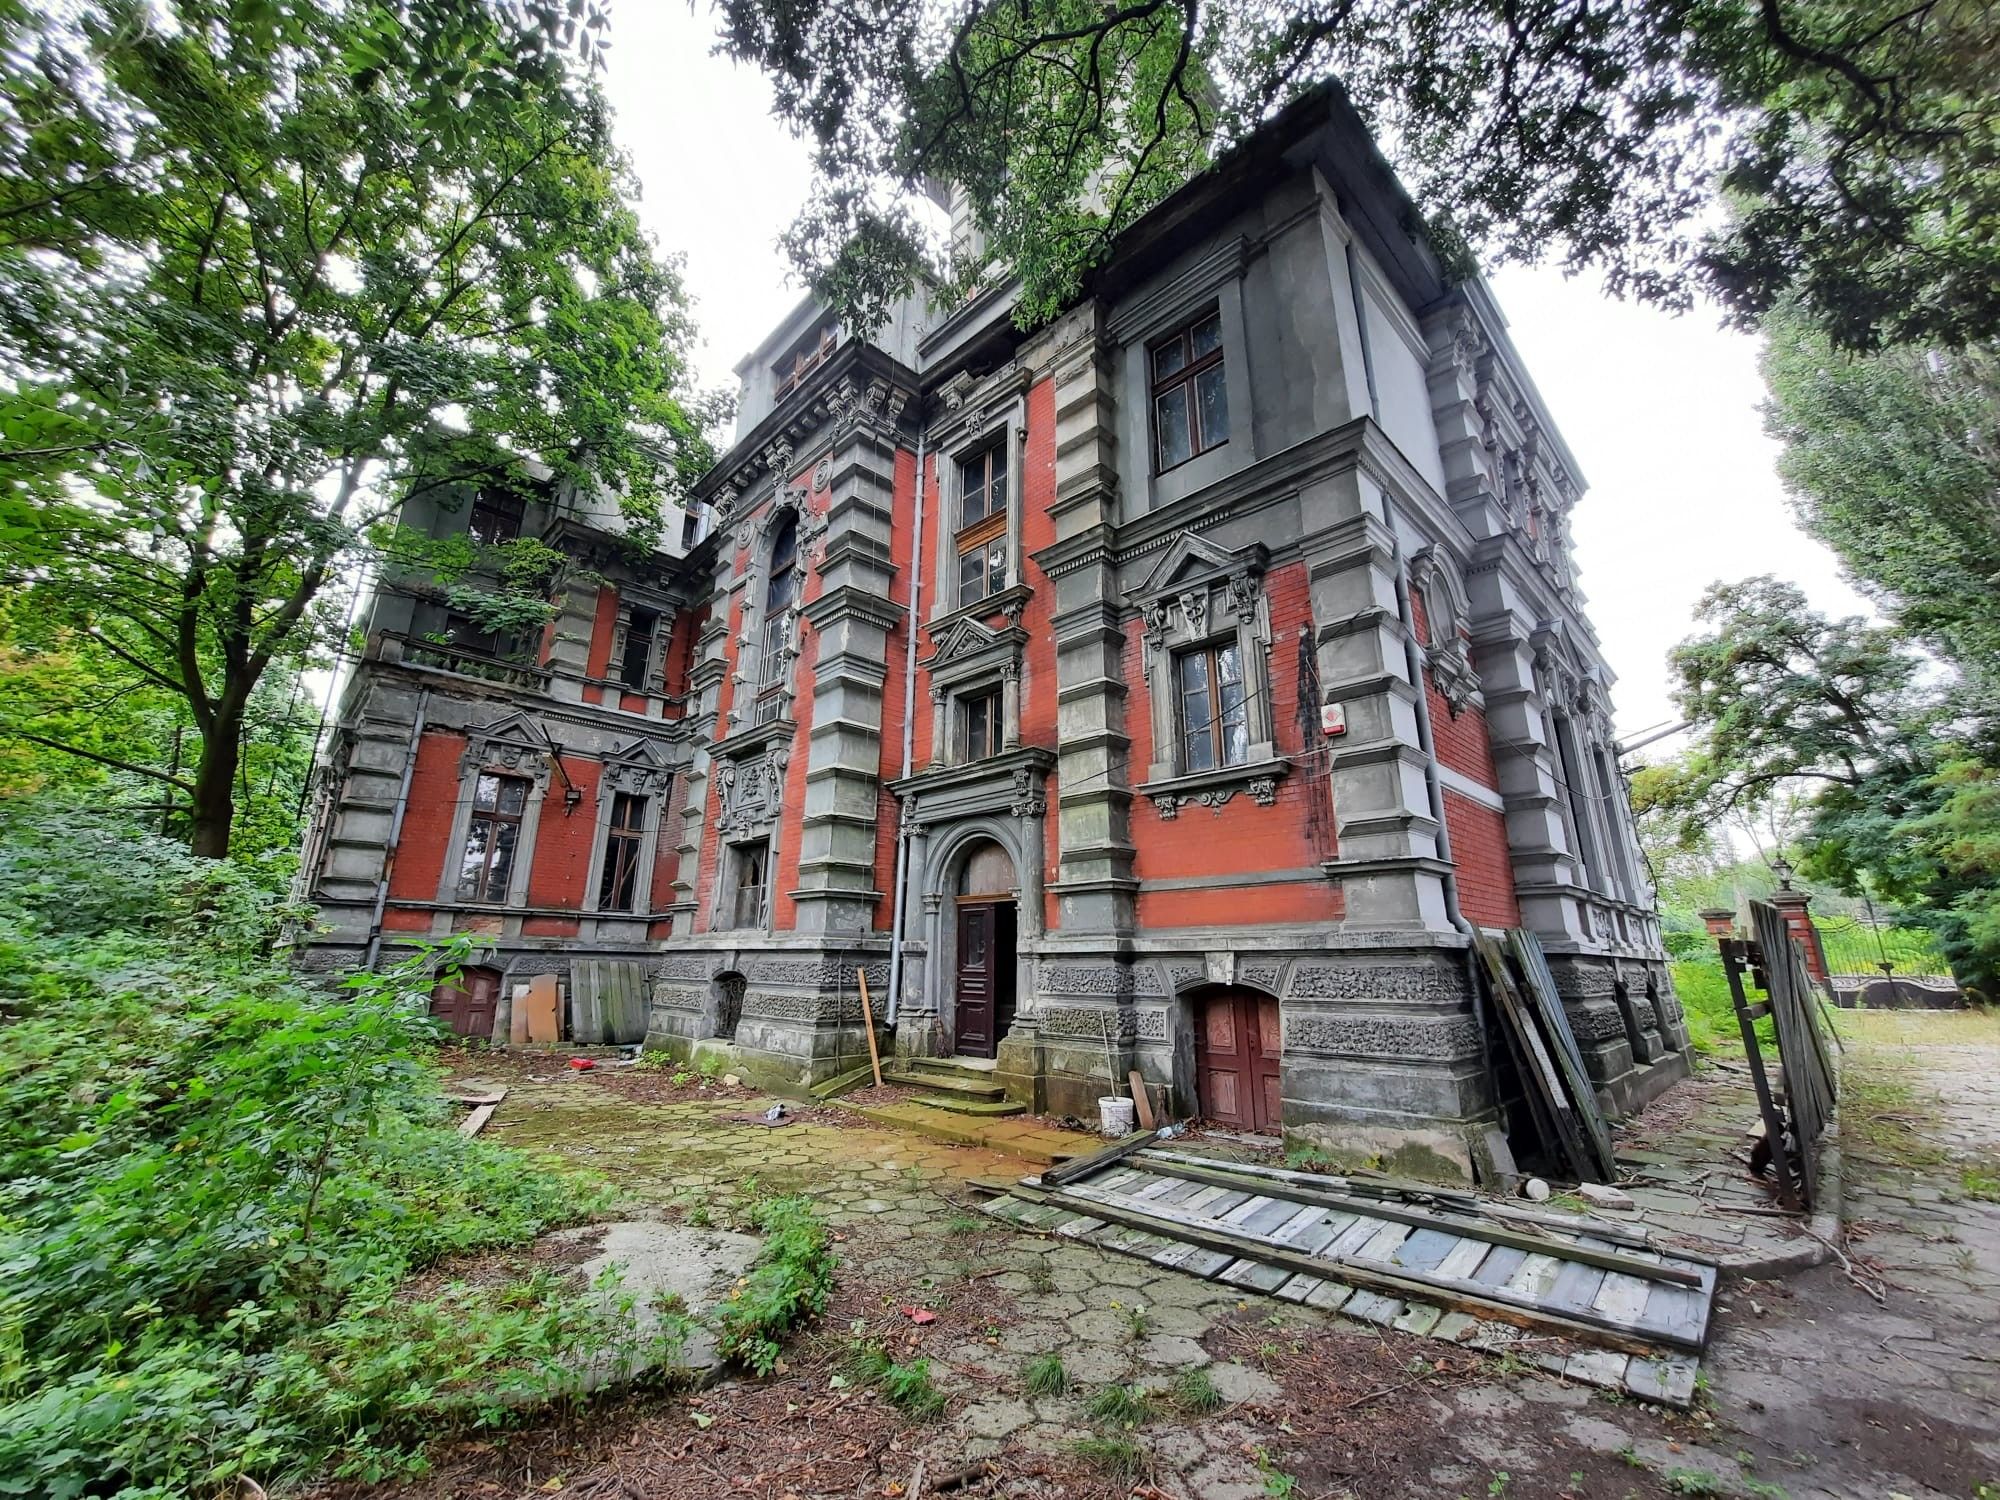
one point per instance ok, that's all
(1238, 1043)
(468, 1007)
(978, 974)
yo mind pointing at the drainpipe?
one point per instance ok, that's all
(909, 745)
(1434, 790)
(396, 829)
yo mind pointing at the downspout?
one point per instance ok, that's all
(396, 829)
(909, 746)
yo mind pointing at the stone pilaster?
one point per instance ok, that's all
(1096, 887)
(852, 618)
(1388, 863)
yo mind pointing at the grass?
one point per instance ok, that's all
(788, 1285)
(1980, 1181)
(1122, 1405)
(1277, 1483)
(1117, 1456)
(1045, 1376)
(1693, 1482)
(961, 1225)
(907, 1386)
(1194, 1391)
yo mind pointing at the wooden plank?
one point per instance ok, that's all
(1117, 1181)
(1077, 1228)
(1357, 1186)
(517, 1018)
(1299, 1288)
(1534, 1277)
(1180, 1192)
(1622, 1299)
(1576, 1288)
(1547, 1003)
(1373, 1307)
(1264, 1185)
(1420, 1318)
(1353, 1237)
(1385, 1242)
(1425, 1250)
(1077, 1169)
(1463, 1258)
(542, 1014)
(1293, 1229)
(1154, 1187)
(1326, 1232)
(1142, 1101)
(1490, 1301)
(1243, 1212)
(1266, 1220)
(1256, 1275)
(1500, 1265)
(1328, 1296)
(1544, 1081)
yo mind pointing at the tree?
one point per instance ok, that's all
(1786, 703)
(267, 267)
(1853, 143)
(1893, 460)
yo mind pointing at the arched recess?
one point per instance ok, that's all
(973, 913)
(1236, 1034)
(725, 1005)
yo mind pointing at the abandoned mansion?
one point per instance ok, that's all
(1174, 687)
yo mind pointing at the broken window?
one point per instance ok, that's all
(619, 885)
(750, 864)
(492, 838)
(1214, 718)
(1190, 399)
(642, 626)
(496, 517)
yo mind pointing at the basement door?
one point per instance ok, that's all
(468, 1007)
(1237, 1048)
(985, 988)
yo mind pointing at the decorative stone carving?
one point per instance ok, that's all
(1029, 802)
(1099, 1023)
(1409, 984)
(751, 791)
(677, 997)
(1214, 797)
(1263, 790)
(685, 968)
(1382, 1036)
(1095, 979)
(514, 744)
(1194, 609)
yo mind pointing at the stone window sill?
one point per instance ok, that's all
(1212, 789)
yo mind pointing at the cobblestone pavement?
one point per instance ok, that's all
(1815, 1390)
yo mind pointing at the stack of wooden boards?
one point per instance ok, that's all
(1554, 1081)
(1594, 1301)
(1796, 1115)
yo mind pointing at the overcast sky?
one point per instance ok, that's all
(1661, 412)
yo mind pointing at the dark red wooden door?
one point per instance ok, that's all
(468, 1007)
(978, 987)
(1238, 1042)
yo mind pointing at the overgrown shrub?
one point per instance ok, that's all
(213, 1182)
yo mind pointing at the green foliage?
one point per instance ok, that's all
(1195, 1391)
(1277, 1483)
(1045, 1376)
(1832, 726)
(1893, 460)
(789, 1284)
(1705, 1001)
(908, 1386)
(1117, 1456)
(214, 1182)
(1693, 1482)
(268, 269)
(1852, 146)
(1122, 1405)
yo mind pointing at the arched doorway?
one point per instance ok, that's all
(984, 961)
(1237, 1046)
(468, 1006)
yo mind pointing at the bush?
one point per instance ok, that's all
(213, 1182)
(790, 1283)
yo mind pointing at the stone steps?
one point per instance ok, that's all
(968, 1086)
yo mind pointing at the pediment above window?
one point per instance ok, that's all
(969, 648)
(515, 742)
(639, 767)
(1191, 559)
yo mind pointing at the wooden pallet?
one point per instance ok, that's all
(1628, 1317)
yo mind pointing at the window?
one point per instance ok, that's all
(979, 726)
(780, 592)
(748, 888)
(641, 626)
(492, 838)
(496, 517)
(1214, 714)
(805, 357)
(619, 886)
(982, 524)
(1190, 401)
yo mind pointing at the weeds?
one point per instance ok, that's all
(961, 1225)
(1277, 1483)
(788, 1284)
(909, 1386)
(1116, 1456)
(1122, 1405)
(1045, 1376)
(1693, 1482)
(1194, 1391)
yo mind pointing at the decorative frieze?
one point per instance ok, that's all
(1382, 1036)
(1101, 1023)
(1408, 984)
(1096, 979)
(678, 997)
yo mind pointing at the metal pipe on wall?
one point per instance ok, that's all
(909, 745)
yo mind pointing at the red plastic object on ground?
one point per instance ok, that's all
(583, 1064)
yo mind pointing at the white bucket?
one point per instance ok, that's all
(1117, 1116)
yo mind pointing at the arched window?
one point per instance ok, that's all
(781, 592)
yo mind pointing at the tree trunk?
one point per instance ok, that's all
(215, 782)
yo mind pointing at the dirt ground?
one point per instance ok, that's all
(1813, 1387)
